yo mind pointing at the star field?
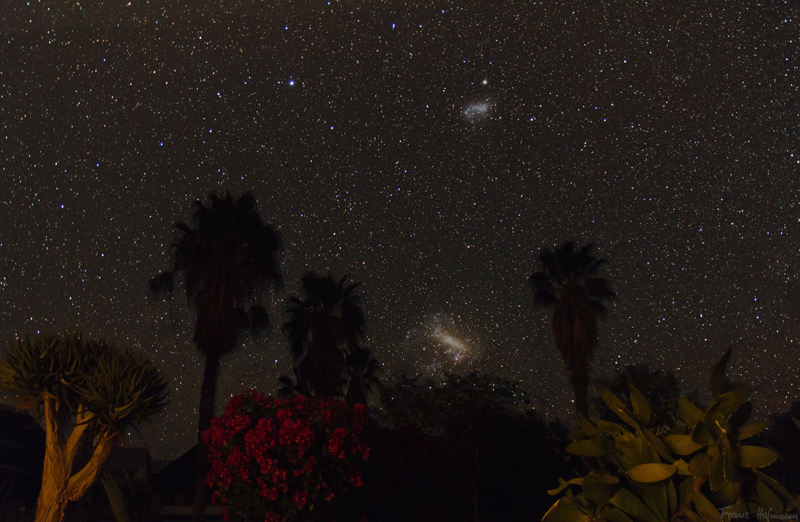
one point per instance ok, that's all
(427, 151)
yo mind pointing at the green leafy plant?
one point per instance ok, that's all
(710, 472)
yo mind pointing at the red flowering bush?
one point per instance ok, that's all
(278, 458)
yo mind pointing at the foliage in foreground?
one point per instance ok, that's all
(660, 389)
(282, 459)
(707, 474)
(104, 389)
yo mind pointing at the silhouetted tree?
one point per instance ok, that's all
(503, 455)
(363, 372)
(324, 328)
(568, 281)
(229, 260)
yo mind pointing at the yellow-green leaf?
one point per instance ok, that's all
(585, 448)
(630, 504)
(641, 408)
(701, 435)
(777, 486)
(617, 406)
(115, 497)
(657, 445)
(700, 465)
(767, 498)
(595, 489)
(614, 514)
(753, 429)
(652, 472)
(577, 435)
(683, 467)
(681, 444)
(756, 456)
(672, 497)
(608, 427)
(705, 508)
(585, 424)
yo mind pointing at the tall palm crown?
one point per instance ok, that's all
(568, 281)
(229, 261)
(324, 328)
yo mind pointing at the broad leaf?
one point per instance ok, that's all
(700, 465)
(641, 408)
(753, 429)
(653, 472)
(611, 428)
(683, 467)
(630, 504)
(596, 489)
(690, 413)
(777, 486)
(706, 509)
(756, 456)
(681, 444)
(657, 445)
(654, 496)
(614, 514)
(701, 435)
(617, 407)
(731, 400)
(767, 498)
(585, 448)
(672, 497)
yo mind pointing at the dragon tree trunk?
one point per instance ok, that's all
(59, 485)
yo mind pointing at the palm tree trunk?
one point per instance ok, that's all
(355, 391)
(579, 380)
(208, 395)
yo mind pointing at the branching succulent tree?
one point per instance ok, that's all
(710, 473)
(569, 282)
(229, 260)
(88, 392)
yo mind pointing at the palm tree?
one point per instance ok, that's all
(568, 282)
(363, 370)
(325, 327)
(229, 262)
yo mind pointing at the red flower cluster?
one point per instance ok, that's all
(271, 456)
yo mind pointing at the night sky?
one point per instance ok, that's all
(429, 152)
